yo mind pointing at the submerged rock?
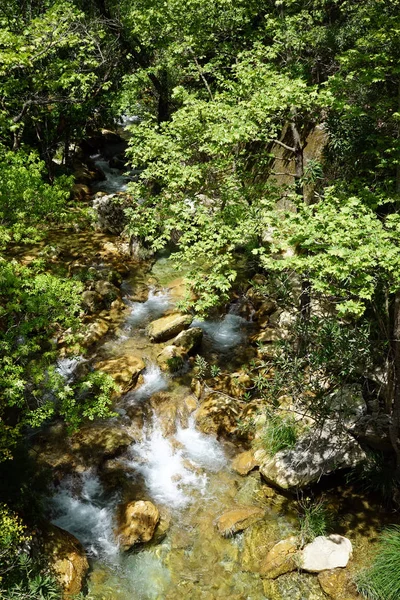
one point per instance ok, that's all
(238, 519)
(94, 443)
(325, 552)
(318, 452)
(67, 559)
(280, 559)
(137, 522)
(168, 327)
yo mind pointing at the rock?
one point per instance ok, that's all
(338, 585)
(137, 522)
(232, 384)
(325, 552)
(107, 291)
(67, 559)
(349, 403)
(189, 340)
(258, 539)
(218, 414)
(238, 519)
(317, 452)
(80, 191)
(109, 211)
(280, 559)
(168, 327)
(124, 370)
(267, 336)
(94, 332)
(171, 359)
(244, 462)
(111, 136)
(97, 442)
(92, 301)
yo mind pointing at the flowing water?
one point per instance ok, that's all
(185, 473)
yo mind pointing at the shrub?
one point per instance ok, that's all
(315, 519)
(279, 433)
(382, 580)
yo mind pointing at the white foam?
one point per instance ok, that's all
(224, 333)
(87, 515)
(141, 313)
(202, 449)
(154, 381)
(115, 181)
(167, 478)
(66, 367)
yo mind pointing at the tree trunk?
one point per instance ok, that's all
(395, 383)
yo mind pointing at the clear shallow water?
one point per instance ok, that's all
(141, 313)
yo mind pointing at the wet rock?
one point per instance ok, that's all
(238, 519)
(280, 559)
(318, 452)
(165, 410)
(92, 301)
(94, 332)
(218, 414)
(137, 522)
(258, 539)
(124, 370)
(67, 559)
(244, 462)
(171, 359)
(197, 388)
(325, 552)
(189, 339)
(168, 327)
(111, 137)
(337, 584)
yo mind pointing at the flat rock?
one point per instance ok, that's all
(168, 327)
(325, 552)
(244, 462)
(280, 559)
(218, 414)
(238, 519)
(137, 522)
(317, 453)
(124, 370)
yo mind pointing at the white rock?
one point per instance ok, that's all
(325, 552)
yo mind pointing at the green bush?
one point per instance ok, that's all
(279, 433)
(315, 519)
(382, 580)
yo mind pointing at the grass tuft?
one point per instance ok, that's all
(382, 580)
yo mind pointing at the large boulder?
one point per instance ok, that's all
(325, 552)
(92, 301)
(109, 211)
(238, 519)
(280, 559)
(171, 358)
(137, 522)
(67, 559)
(318, 452)
(124, 369)
(168, 327)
